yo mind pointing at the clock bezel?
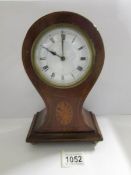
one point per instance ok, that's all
(87, 40)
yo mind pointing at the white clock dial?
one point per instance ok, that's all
(62, 56)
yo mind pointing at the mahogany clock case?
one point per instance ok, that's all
(64, 118)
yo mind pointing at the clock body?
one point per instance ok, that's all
(63, 55)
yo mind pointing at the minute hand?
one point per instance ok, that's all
(52, 52)
(62, 42)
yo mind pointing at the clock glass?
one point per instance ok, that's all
(62, 55)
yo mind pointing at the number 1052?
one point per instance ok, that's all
(74, 159)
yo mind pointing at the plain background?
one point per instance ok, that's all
(111, 93)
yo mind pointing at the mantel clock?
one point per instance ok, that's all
(63, 55)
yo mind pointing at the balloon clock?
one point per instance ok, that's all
(63, 55)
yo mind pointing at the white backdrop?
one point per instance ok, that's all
(112, 92)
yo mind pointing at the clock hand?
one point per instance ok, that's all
(62, 43)
(53, 53)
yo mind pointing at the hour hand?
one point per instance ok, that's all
(52, 52)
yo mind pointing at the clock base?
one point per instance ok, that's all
(39, 137)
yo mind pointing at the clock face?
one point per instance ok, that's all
(62, 55)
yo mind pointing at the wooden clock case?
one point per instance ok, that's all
(64, 118)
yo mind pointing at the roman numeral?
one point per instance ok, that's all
(52, 40)
(43, 58)
(79, 68)
(73, 39)
(83, 58)
(73, 76)
(45, 68)
(53, 75)
(80, 47)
